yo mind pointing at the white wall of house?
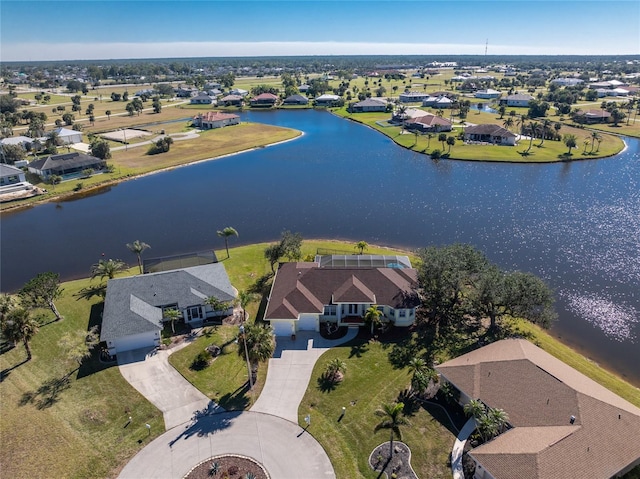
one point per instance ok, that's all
(12, 179)
(135, 341)
(517, 102)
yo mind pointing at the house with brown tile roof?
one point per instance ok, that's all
(488, 133)
(564, 425)
(305, 294)
(215, 119)
(428, 123)
(264, 100)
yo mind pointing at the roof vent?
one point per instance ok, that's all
(572, 419)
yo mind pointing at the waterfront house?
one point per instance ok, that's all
(339, 290)
(134, 306)
(231, 100)
(296, 100)
(327, 100)
(493, 134)
(370, 104)
(264, 100)
(592, 116)
(412, 97)
(65, 165)
(487, 94)
(10, 175)
(518, 99)
(428, 123)
(561, 423)
(215, 119)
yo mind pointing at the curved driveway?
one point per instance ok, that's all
(269, 433)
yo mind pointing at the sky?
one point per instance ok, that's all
(122, 29)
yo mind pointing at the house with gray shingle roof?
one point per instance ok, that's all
(65, 164)
(562, 424)
(134, 306)
(305, 294)
(296, 100)
(369, 104)
(488, 133)
(518, 99)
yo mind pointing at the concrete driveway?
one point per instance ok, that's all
(151, 374)
(290, 371)
(283, 448)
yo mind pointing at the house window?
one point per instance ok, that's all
(402, 313)
(353, 309)
(330, 310)
(381, 309)
(392, 312)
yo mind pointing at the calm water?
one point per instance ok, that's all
(575, 224)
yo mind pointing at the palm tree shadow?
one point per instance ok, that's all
(47, 394)
(4, 374)
(206, 425)
(357, 350)
(326, 383)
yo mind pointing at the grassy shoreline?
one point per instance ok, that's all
(549, 152)
(87, 414)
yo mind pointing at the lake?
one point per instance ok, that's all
(575, 224)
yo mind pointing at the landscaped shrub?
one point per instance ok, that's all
(201, 361)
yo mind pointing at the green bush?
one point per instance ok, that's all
(201, 361)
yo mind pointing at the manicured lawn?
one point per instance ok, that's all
(54, 428)
(371, 380)
(225, 379)
(550, 151)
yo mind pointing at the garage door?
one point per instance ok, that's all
(135, 341)
(308, 323)
(281, 328)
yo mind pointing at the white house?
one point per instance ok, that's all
(307, 293)
(567, 81)
(412, 96)
(487, 94)
(518, 99)
(326, 100)
(68, 137)
(10, 175)
(134, 306)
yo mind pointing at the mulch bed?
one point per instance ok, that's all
(233, 467)
(400, 463)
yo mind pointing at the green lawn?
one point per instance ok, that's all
(370, 380)
(550, 151)
(56, 428)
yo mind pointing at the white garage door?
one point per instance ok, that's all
(136, 341)
(281, 328)
(308, 323)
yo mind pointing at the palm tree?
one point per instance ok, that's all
(595, 136)
(243, 300)
(392, 421)
(18, 325)
(335, 369)
(570, 141)
(499, 417)
(502, 109)
(508, 123)
(546, 124)
(520, 122)
(442, 137)
(450, 141)
(372, 316)
(138, 247)
(107, 268)
(361, 246)
(225, 233)
(172, 315)
(586, 143)
(474, 408)
(429, 136)
(108, 113)
(417, 365)
(533, 128)
(259, 344)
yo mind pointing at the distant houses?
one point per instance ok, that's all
(203, 98)
(264, 100)
(369, 105)
(518, 99)
(296, 100)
